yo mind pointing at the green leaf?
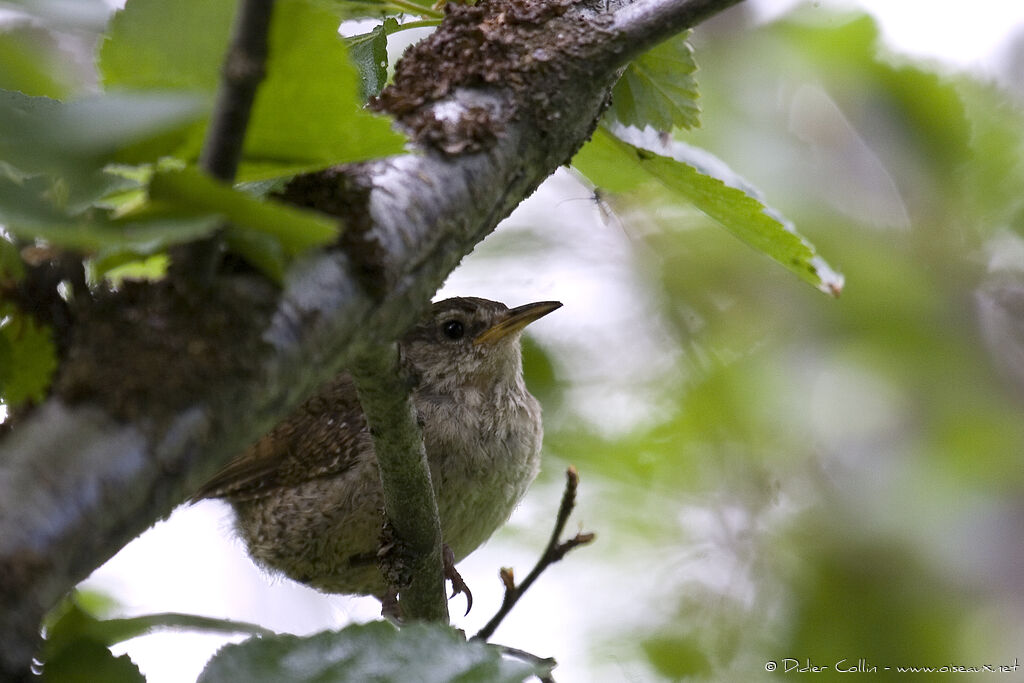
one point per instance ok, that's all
(85, 661)
(677, 658)
(658, 89)
(27, 211)
(28, 358)
(369, 53)
(367, 652)
(166, 45)
(76, 624)
(117, 266)
(712, 187)
(11, 267)
(294, 228)
(32, 62)
(76, 139)
(77, 640)
(260, 250)
(306, 118)
(308, 111)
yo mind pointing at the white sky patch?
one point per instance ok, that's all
(962, 36)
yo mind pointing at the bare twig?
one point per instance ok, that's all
(405, 477)
(554, 552)
(243, 71)
(532, 659)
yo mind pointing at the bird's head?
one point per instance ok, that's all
(467, 341)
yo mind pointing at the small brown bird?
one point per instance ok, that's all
(308, 497)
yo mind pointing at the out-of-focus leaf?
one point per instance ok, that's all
(296, 229)
(27, 213)
(260, 250)
(32, 62)
(677, 658)
(76, 139)
(85, 661)
(890, 595)
(118, 266)
(303, 118)
(76, 624)
(658, 89)
(77, 639)
(33, 218)
(709, 185)
(167, 45)
(367, 652)
(369, 53)
(307, 118)
(79, 15)
(995, 173)
(11, 267)
(27, 355)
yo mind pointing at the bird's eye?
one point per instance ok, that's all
(453, 329)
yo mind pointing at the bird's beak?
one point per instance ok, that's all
(516, 319)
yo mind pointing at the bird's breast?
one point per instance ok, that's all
(484, 451)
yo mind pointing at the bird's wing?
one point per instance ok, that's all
(323, 437)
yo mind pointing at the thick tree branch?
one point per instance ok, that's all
(405, 477)
(161, 387)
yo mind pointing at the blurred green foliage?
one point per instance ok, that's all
(831, 479)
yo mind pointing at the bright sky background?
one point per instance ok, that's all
(182, 565)
(967, 35)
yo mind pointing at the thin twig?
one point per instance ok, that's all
(532, 659)
(554, 552)
(243, 71)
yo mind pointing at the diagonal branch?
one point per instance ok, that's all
(161, 387)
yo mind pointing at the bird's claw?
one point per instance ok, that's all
(458, 584)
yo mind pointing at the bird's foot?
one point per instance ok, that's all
(452, 574)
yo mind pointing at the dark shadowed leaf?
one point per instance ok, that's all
(369, 53)
(376, 651)
(86, 661)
